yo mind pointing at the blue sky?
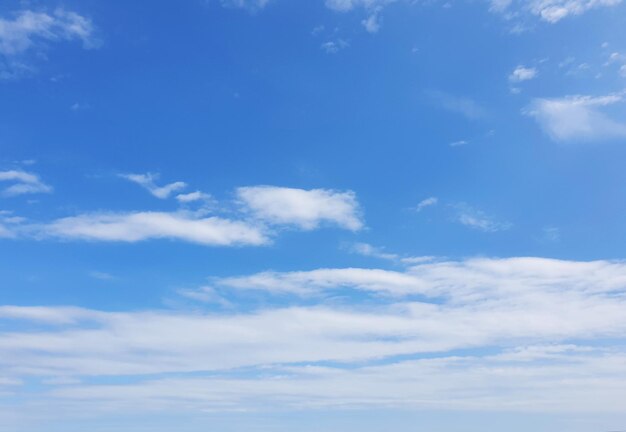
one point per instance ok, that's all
(339, 215)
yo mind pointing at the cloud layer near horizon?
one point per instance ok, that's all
(535, 321)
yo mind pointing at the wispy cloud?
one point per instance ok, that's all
(551, 11)
(333, 47)
(428, 202)
(368, 250)
(140, 226)
(527, 311)
(577, 118)
(23, 183)
(251, 5)
(27, 30)
(147, 181)
(102, 275)
(194, 197)
(477, 219)
(458, 104)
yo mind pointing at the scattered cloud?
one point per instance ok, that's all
(250, 5)
(259, 212)
(80, 106)
(372, 23)
(28, 30)
(102, 275)
(555, 10)
(522, 73)
(318, 30)
(147, 182)
(551, 11)
(458, 104)
(458, 143)
(348, 5)
(428, 202)
(306, 209)
(619, 60)
(577, 118)
(23, 183)
(478, 219)
(368, 250)
(333, 47)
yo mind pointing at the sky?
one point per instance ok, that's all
(321, 215)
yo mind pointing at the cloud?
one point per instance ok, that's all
(314, 282)
(260, 212)
(372, 23)
(555, 10)
(8, 222)
(193, 197)
(547, 331)
(551, 11)
(306, 209)
(28, 30)
(478, 219)
(333, 47)
(348, 5)
(428, 202)
(23, 183)
(457, 104)
(140, 226)
(522, 73)
(251, 5)
(368, 250)
(5, 232)
(147, 182)
(102, 275)
(577, 118)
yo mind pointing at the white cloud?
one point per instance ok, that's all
(541, 378)
(139, 226)
(333, 47)
(528, 313)
(478, 219)
(306, 209)
(314, 282)
(147, 182)
(251, 5)
(458, 143)
(522, 73)
(555, 10)
(5, 232)
(260, 211)
(577, 118)
(428, 202)
(28, 30)
(23, 183)
(102, 275)
(372, 23)
(347, 5)
(458, 104)
(550, 11)
(368, 250)
(194, 196)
